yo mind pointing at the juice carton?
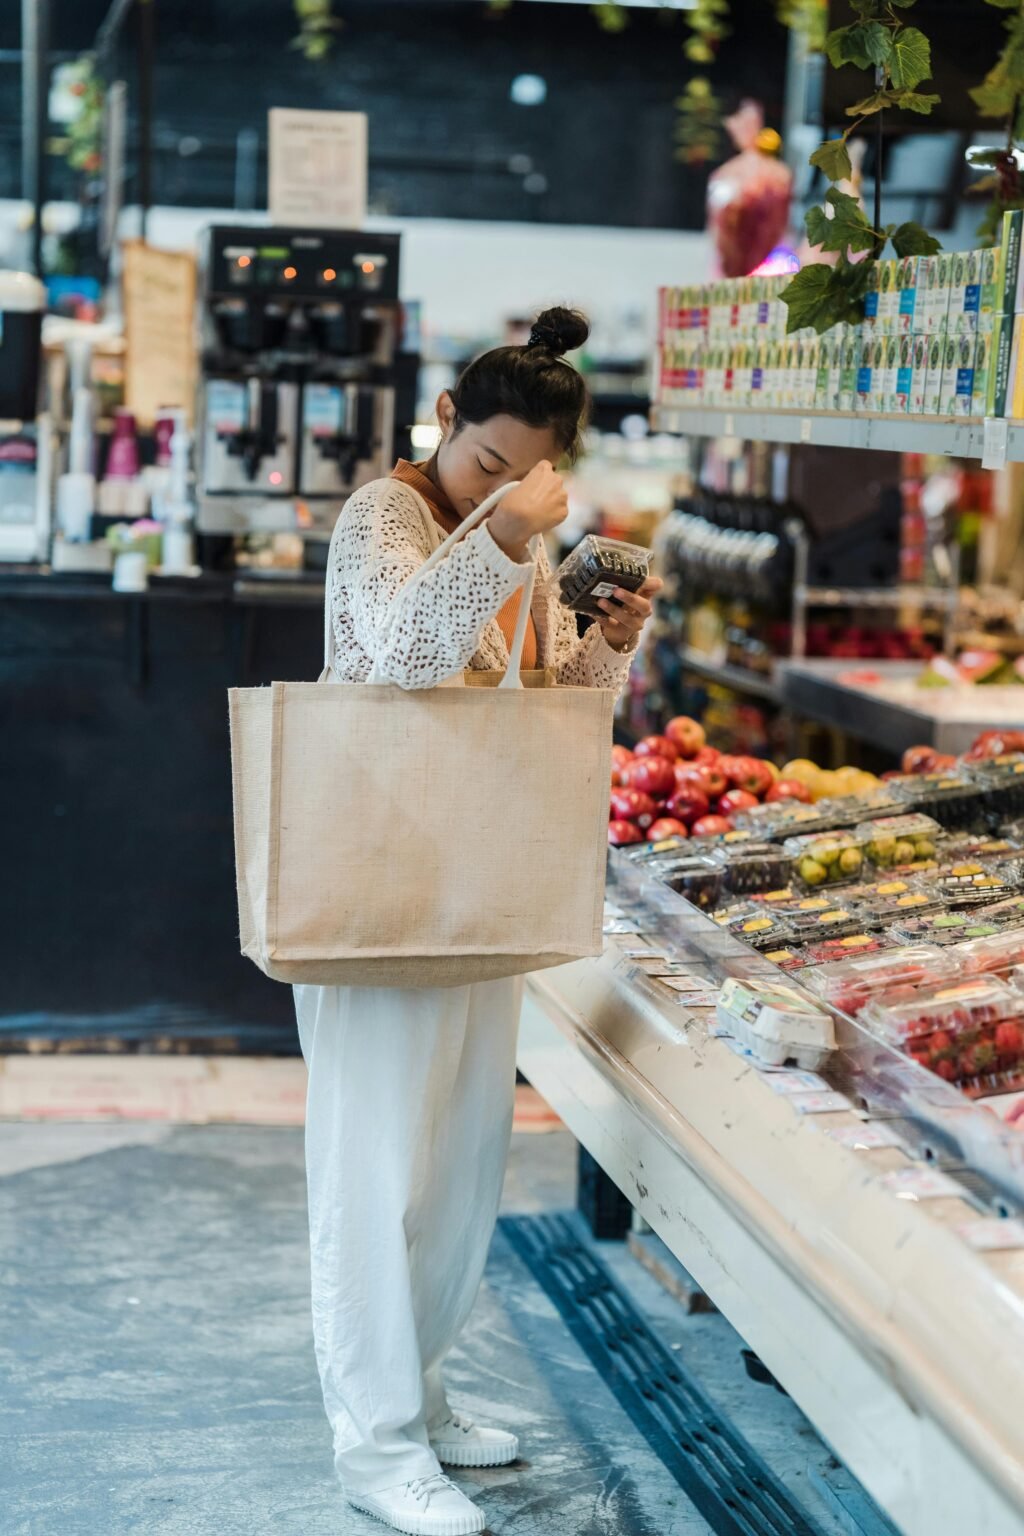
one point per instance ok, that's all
(888, 295)
(849, 363)
(810, 353)
(958, 374)
(936, 367)
(919, 380)
(890, 371)
(990, 299)
(759, 373)
(824, 397)
(984, 363)
(904, 386)
(906, 290)
(871, 300)
(940, 285)
(965, 293)
(865, 375)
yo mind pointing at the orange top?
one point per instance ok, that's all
(446, 518)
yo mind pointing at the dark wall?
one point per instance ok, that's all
(445, 138)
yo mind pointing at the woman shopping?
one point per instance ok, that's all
(410, 1094)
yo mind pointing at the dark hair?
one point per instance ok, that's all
(531, 383)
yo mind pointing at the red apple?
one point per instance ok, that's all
(711, 826)
(749, 773)
(666, 826)
(632, 805)
(657, 746)
(622, 832)
(943, 762)
(707, 755)
(686, 735)
(788, 789)
(736, 800)
(710, 778)
(689, 806)
(919, 759)
(655, 776)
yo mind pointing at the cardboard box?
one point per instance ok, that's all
(871, 298)
(990, 303)
(888, 294)
(809, 354)
(1000, 378)
(904, 384)
(849, 362)
(958, 374)
(935, 370)
(906, 292)
(984, 362)
(1010, 264)
(940, 287)
(866, 375)
(917, 404)
(965, 293)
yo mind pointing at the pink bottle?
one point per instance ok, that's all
(123, 460)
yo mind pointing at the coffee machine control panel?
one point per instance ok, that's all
(303, 264)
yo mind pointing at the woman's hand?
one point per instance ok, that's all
(627, 620)
(538, 504)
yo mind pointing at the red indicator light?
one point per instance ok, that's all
(275, 477)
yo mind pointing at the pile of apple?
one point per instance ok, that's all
(995, 743)
(675, 785)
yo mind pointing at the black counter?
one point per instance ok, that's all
(117, 902)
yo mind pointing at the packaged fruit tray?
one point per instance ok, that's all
(833, 921)
(895, 842)
(821, 858)
(694, 876)
(752, 866)
(942, 928)
(995, 952)
(760, 929)
(960, 847)
(973, 883)
(1001, 779)
(966, 1003)
(788, 958)
(950, 799)
(851, 945)
(595, 568)
(848, 984)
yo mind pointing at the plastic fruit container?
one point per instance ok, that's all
(751, 867)
(848, 984)
(959, 847)
(696, 877)
(893, 842)
(966, 1003)
(833, 921)
(595, 568)
(950, 799)
(973, 883)
(941, 928)
(776, 1022)
(996, 952)
(787, 959)
(852, 944)
(826, 858)
(781, 818)
(1001, 780)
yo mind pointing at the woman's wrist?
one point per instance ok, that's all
(509, 537)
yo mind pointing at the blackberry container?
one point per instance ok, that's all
(595, 568)
(952, 800)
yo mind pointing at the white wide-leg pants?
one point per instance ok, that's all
(408, 1119)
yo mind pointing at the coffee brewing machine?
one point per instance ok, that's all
(299, 362)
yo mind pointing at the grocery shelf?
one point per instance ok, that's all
(738, 678)
(952, 435)
(941, 598)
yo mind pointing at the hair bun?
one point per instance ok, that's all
(559, 331)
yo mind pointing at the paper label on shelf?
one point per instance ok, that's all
(805, 429)
(820, 1103)
(921, 1184)
(730, 427)
(997, 431)
(865, 1137)
(681, 983)
(698, 999)
(990, 1234)
(791, 1081)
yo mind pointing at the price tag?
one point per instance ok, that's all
(997, 432)
(805, 430)
(921, 1184)
(820, 1103)
(730, 427)
(790, 1082)
(698, 999)
(865, 1138)
(681, 983)
(988, 1234)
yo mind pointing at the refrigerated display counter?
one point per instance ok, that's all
(863, 1233)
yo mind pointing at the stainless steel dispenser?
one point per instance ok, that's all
(299, 334)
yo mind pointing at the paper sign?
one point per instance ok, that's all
(921, 1184)
(317, 168)
(993, 453)
(159, 321)
(790, 1082)
(988, 1234)
(819, 1103)
(865, 1138)
(681, 983)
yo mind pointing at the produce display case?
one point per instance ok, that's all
(864, 1232)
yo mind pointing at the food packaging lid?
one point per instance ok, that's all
(857, 977)
(965, 1003)
(777, 1012)
(993, 953)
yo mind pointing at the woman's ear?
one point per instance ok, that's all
(445, 413)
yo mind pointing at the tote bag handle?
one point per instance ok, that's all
(512, 678)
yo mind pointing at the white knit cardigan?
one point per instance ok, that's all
(419, 629)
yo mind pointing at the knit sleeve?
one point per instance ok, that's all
(417, 627)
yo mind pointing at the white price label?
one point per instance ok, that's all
(921, 1184)
(989, 1234)
(819, 1103)
(681, 983)
(996, 440)
(730, 427)
(792, 1082)
(805, 430)
(865, 1138)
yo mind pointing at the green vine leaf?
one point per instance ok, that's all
(911, 59)
(916, 101)
(876, 102)
(865, 45)
(833, 158)
(912, 240)
(847, 228)
(822, 296)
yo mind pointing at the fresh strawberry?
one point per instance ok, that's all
(1009, 1038)
(946, 1069)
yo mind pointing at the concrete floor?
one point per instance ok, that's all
(158, 1367)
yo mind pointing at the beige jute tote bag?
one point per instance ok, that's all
(432, 837)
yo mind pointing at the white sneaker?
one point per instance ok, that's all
(428, 1506)
(458, 1442)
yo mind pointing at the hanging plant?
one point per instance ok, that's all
(610, 16)
(317, 28)
(1001, 95)
(808, 18)
(698, 131)
(822, 295)
(708, 25)
(78, 97)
